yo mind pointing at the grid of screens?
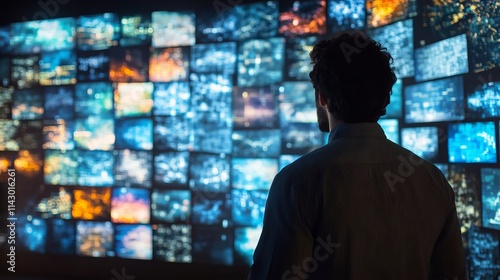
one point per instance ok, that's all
(186, 117)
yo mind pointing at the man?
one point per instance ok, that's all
(361, 207)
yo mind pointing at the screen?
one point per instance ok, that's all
(129, 65)
(173, 29)
(380, 12)
(466, 186)
(169, 64)
(136, 30)
(58, 68)
(219, 57)
(423, 141)
(472, 142)
(440, 100)
(43, 35)
(298, 63)
(485, 253)
(346, 14)
(397, 38)
(256, 20)
(92, 66)
(483, 102)
(304, 17)
(445, 58)
(490, 186)
(260, 62)
(97, 32)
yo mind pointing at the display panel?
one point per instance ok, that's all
(94, 99)
(133, 168)
(171, 206)
(212, 113)
(58, 103)
(92, 66)
(304, 17)
(256, 20)
(173, 29)
(94, 239)
(173, 132)
(95, 133)
(260, 62)
(27, 104)
(466, 186)
(445, 58)
(171, 99)
(6, 98)
(256, 143)
(346, 14)
(484, 253)
(43, 35)
(397, 38)
(211, 209)
(5, 41)
(134, 242)
(253, 173)
(168, 65)
(298, 64)
(97, 32)
(380, 12)
(129, 65)
(220, 58)
(133, 99)
(423, 141)
(130, 205)
(136, 30)
(472, 142)
(25, 71)
(395, 108)
(20, 135)
(483, 101)
(255, 107)
(135, 134)
(209, 172)
(490, 186)
(172, 243)
(216, 26)
(58, 134)
(440, 100)
(58, 68)
(171, 168)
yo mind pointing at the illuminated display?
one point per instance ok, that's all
(298, 63)
(256, 20)
(260, 62)
(136, 30)
(92, 66)
(380, 12)
(255, 107)
(58, 68)
(97, 32)
(253, 173)
(465, 183)
(58, 103)
(129, 65)
(490, 180)
(423, 141)
(440, 100)
(43, 35)
(134, 242)
(172, 243)
(472, 142)
(25, 71)
(130, 205)
(170, 64)
(442, 59)
(91, 204)
(173, 29)
(303, 17)
(133, 99)
(346, 14)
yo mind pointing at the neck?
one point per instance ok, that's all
(334, 122)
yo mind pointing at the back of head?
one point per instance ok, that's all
(353, 73)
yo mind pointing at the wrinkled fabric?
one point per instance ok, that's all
(361, 207)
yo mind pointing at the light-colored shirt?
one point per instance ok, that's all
(361, 207)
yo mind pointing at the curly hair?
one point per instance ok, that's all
(353, 73)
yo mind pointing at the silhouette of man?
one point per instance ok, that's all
(361, 207)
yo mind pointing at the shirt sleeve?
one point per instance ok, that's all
(448, 258)
(286, 239)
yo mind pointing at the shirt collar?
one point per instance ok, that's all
(351, 130)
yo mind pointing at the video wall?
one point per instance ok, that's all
(156, 136)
